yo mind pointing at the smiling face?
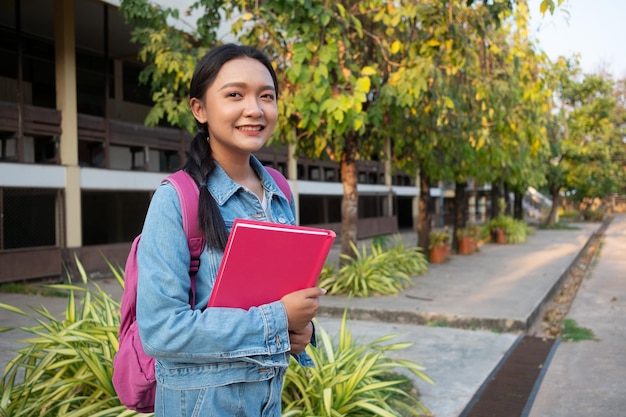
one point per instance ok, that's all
(239, 108)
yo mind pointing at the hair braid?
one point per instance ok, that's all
(199, 166)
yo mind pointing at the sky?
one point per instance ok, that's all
(595, 29)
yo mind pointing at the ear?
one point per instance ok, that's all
(197, 108)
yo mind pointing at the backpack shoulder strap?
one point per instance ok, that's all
(188, 195)
(281, 181)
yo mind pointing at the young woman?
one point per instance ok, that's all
(220, 361)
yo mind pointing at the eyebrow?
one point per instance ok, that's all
(244, 85)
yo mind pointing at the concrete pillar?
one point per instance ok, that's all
(416, 200)
(292, 176)
(65, 68)
(482, 209)
(388, 178)
(471, 208)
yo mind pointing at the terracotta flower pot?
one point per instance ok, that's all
(467, 245)
(499, 236)
(439, 254)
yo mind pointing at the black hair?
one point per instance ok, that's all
(200, 163)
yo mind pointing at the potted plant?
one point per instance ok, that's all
(468, 239)
(506, 229)
(439, 246)
(498, 228)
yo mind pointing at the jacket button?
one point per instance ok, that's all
(282, 220)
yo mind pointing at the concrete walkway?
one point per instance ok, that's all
(588, 378)
(487, 300)
(464, 315)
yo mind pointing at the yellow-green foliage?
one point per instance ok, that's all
(516, 231)
(384, 271)
(352, 379)
(66, 366)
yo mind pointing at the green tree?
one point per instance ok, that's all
(523, 100)
(344, 70)
(562, 71)
(432, 78)
(586, 137)
(347, 71)
(594, 139)
(453, 134)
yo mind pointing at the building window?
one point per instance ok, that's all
(28, 217)
(169, 161)
(330, 174)
(135, 92)
(315, 174)
(112, 217)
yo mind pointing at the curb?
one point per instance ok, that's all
(542, 306)
(509, 325)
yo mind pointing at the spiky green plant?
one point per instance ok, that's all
(406, 261)
(66, 366)
(381, 271)
(351, 379)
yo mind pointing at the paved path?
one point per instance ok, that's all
(499, 288)
(588, 378)
(486, 300)
(503, 287)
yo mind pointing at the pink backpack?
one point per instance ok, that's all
(133, 370)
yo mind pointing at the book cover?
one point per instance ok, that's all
(264, 261)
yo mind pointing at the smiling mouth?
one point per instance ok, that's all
(251, 128)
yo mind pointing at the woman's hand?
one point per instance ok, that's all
(300, 339)
(301, 306)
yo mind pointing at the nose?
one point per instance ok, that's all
(253, 108)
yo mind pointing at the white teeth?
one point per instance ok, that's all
(250, 128)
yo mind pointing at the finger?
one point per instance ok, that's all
(314, 292)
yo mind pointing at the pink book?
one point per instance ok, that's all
(264, 261)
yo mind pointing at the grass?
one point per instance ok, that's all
(573, 333)
(31, 289)
(558, 226)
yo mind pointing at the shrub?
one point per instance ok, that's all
(352, 380)
(66, 367)
(569, 214)
(516, 230)
(596, 215)
(381, 272)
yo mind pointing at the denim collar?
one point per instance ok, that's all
(222, 187)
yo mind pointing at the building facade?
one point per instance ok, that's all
(78, 166)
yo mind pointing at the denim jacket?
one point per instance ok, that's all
(232, 342)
